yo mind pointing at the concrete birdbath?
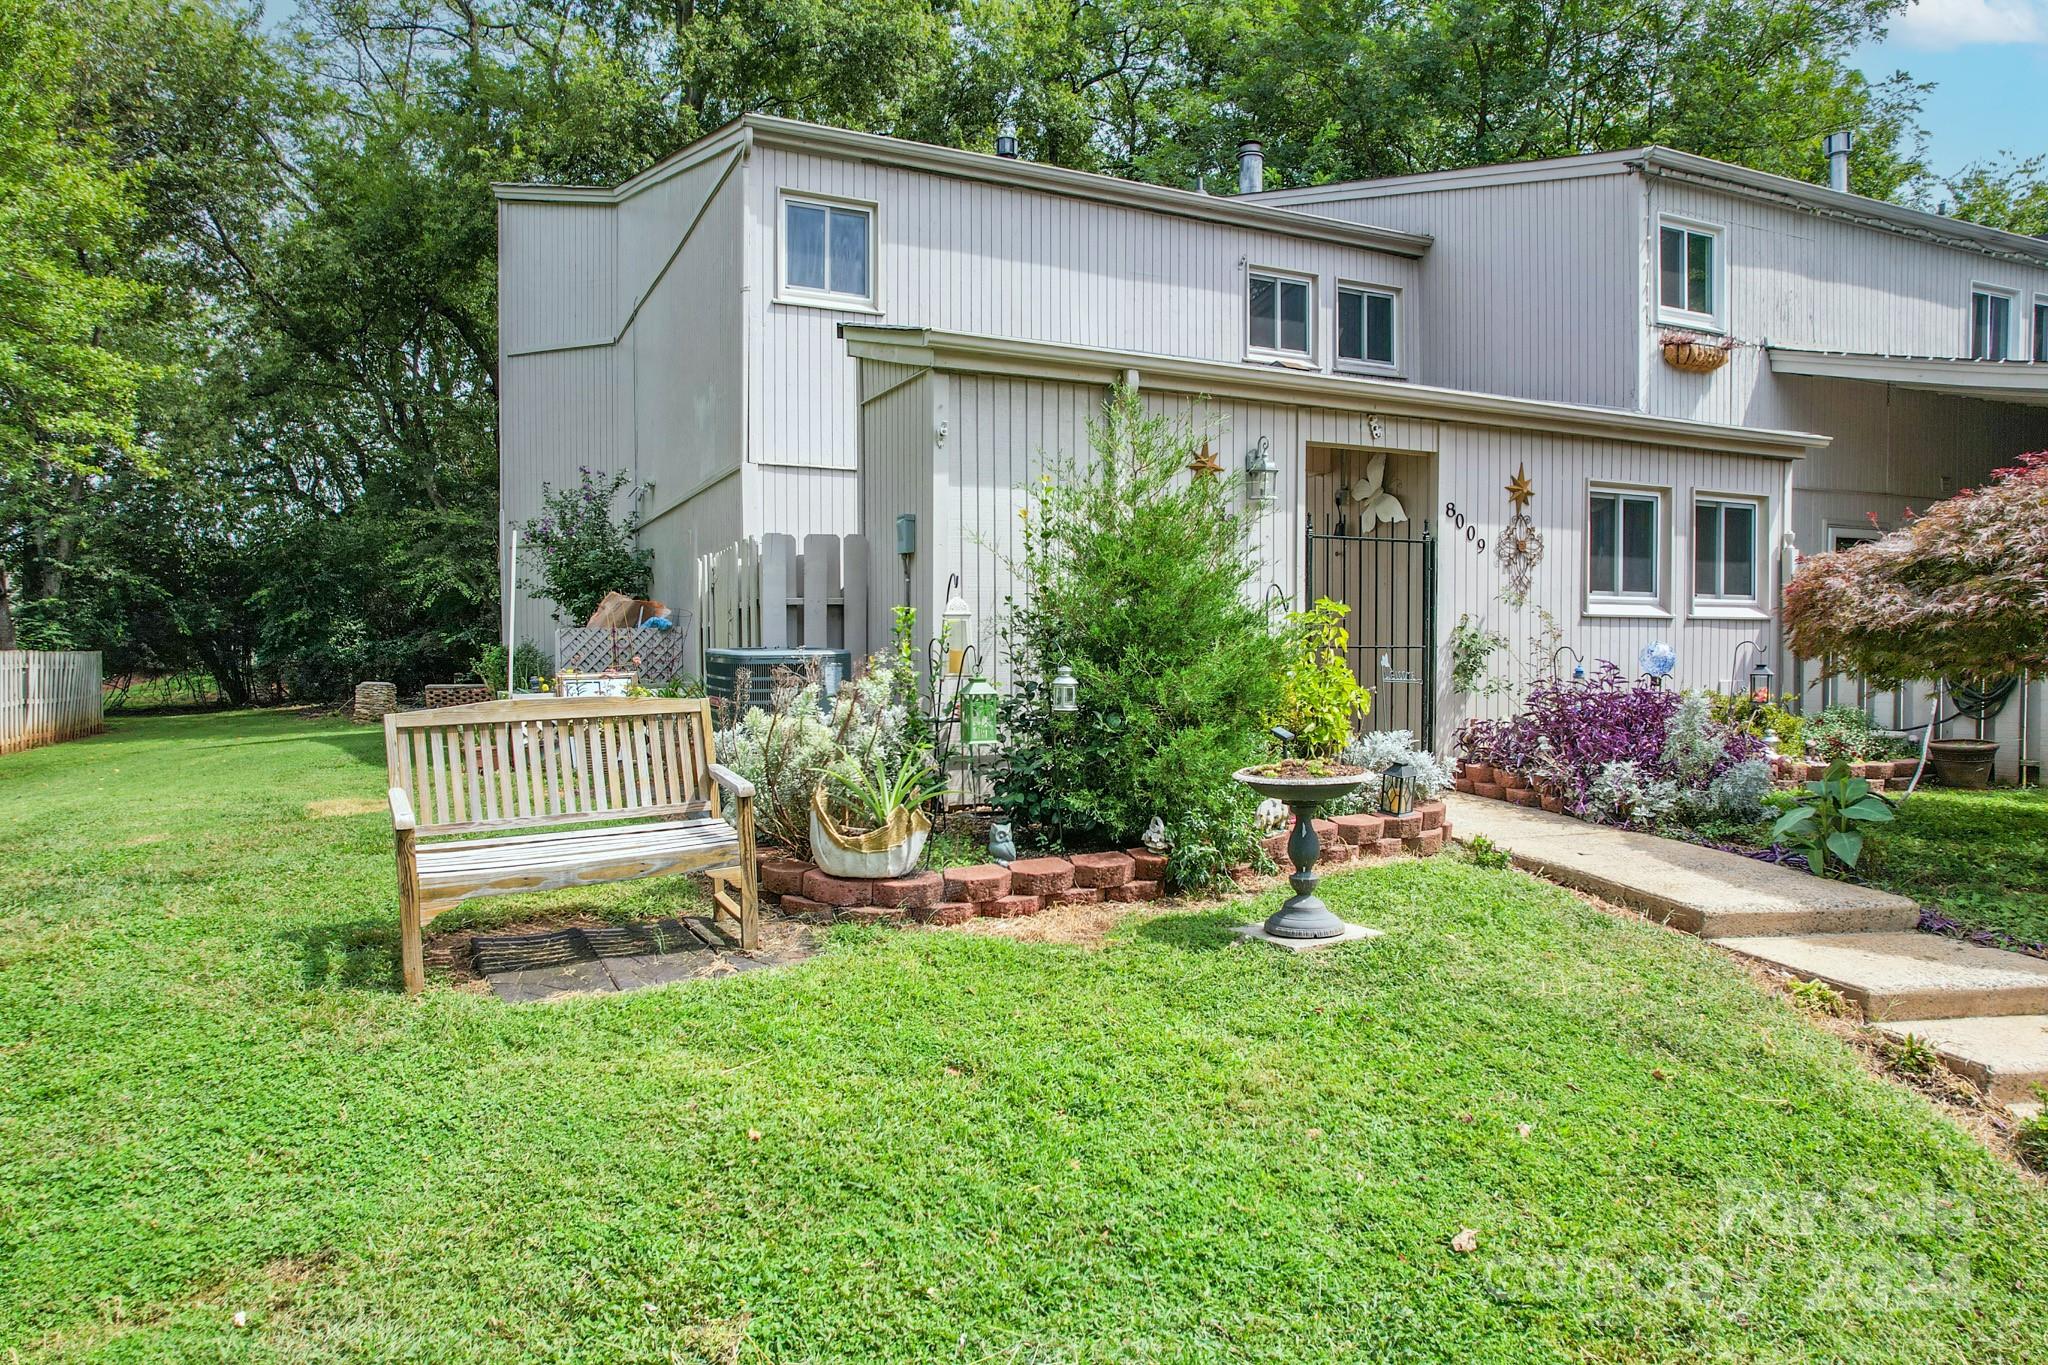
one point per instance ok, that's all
(1303, 921)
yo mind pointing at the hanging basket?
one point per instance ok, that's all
(1694, 357)
(889, 851)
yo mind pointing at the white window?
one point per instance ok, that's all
(1365, 326)
(1280, 308)
(1689, 274)
(827, 250)
(1990, 324)
(1724, 550)
(1625, 531)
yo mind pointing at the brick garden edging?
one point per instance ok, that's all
(1030, 886)
(1356, 837)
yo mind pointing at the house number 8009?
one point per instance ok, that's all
(1457, 521)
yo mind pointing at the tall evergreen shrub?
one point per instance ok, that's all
(1140, 579)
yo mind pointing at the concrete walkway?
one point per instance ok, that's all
(1984, 1011)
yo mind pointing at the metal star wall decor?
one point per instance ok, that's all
(1520, 547)
(1205, 465)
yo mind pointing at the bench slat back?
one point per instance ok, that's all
(510, 764)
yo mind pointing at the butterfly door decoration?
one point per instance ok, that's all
(1369, 495)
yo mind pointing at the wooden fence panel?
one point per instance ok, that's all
(769, 596)
(47, 696)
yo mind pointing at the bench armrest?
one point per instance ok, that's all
(725, 777)
(401, 810)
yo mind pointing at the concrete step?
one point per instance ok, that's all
(2005, 1057)
(1700, 890)
(1910, 975)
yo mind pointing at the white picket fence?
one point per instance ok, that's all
(770, 595)
(48, 695)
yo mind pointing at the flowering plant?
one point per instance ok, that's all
(582, 552)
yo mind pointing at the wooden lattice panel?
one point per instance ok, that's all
(656, 655)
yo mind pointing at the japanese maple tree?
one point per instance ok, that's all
(1960, 591)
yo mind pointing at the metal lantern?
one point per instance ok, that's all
(1260, 474)
(1398, 795)
(956, 627)
(1066, 692)
(1760, 679)
(978, 713)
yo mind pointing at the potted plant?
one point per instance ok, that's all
(1320, 702)
(870, 821)
(1694, 352)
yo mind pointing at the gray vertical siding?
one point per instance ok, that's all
(989, 259)
(898, 441)
(1530, 287)
(619, 351)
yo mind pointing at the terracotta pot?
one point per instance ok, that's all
(1963, 762)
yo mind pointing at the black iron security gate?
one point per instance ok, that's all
(1389, 582)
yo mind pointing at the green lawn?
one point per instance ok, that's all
(1179, 1148)
(1978, 857)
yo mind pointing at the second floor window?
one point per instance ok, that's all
(1279, 313)
(1688, 279)
(1365, 326)
(826, 250)
(1990, 325)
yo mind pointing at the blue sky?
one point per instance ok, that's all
(1989, 62)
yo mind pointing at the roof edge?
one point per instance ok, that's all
(933, 349)
(986, 168)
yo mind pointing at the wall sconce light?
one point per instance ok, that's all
(1260, 474)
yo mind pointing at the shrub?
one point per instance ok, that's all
(529, 665)
(1141, 584)
(1320, 698)
(581, 552)
(1761, 715)
(1843, 732)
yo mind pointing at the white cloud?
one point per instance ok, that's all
(1938, 25)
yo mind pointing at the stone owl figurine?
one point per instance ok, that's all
(1002, 843)
(1154, 837)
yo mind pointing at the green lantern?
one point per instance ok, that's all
(978, 713)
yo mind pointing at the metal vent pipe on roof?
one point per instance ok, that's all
(1251, 167)
(1838, 145)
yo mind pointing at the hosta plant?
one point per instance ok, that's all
(1829, 821)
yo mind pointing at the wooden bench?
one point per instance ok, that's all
(571, 769)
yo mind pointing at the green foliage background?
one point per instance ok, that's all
(248, 349)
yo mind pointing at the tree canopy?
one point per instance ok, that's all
(1960, 591)
(248, 272)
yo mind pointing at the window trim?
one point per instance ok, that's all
(2012, 299)
(1353, 363)
(802, 296)
(2038, 317)
(1723, 604)
(1605, 602)
(1715, 320)
(1315, 304)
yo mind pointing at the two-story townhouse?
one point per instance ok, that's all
(1917, 343)
(787, 328)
